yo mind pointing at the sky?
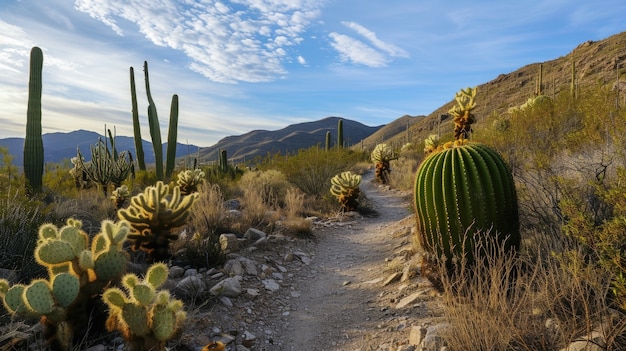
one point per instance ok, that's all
(243, 65)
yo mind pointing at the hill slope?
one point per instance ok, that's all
(595, 62)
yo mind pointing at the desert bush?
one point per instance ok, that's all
(20, 218)
(311, 169)
(403, 175)
(529, 301)
(270, 185)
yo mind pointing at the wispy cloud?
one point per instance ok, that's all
(244, 40)
(374, 53)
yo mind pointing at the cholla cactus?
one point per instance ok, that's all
(147, 318)
(77, 271)
(106, 167)
(381, 156)
(119, 196)
(462, 113)
(189, 180)
(152, 216)
(345, 187)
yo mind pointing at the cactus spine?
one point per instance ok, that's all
(340, 133)
(464, 192)
(33, 142)
(136, 126)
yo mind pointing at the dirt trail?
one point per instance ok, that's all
(343, 304)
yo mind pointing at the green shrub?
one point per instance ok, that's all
(311, 169)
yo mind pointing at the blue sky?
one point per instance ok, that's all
(240, 65)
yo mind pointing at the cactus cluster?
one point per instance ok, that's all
(345, 188)
(155, 129)
(464, 193)
(382, 155)
(78, 270)
(152, 216)
(106, 166)
(33, 142)
(145, 316)
(189, 180)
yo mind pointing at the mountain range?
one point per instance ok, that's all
(594, 61)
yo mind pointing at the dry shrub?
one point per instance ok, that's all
(90, 206)
(207, 221)
(529, 302)
(294, 203)
(269, 186)
(402, 174)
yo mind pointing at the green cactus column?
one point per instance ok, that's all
(327, 148)
(172, 138)
(465, 194)
(136, 126)
(33, 142)
(340, 134)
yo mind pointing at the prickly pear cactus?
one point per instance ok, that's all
(382, 155)
(464, 192)
(189, 181)
(345, 188)
(78, 270)
(146, 317)
(153, 214)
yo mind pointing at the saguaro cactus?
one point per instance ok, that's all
(327, 148)
(155, 129)
(136, 126)
(464, 192)
(340, 133)
(33, 142)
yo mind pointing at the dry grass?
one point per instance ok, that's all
(530, 301)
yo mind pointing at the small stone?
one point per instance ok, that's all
(409, 299)
(229, 243)
(176, 272)
(392, 278)
(230, 287)
(270, 284)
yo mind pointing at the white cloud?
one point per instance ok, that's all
(302, 60)
(353, 50)
(374, 53)
(227, 42)
(390, 49)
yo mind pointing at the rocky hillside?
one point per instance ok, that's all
(595, 62)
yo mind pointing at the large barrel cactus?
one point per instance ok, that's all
(464, 193)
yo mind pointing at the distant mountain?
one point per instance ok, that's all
(290, 139)
(61, 146)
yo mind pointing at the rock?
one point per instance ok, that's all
(270, 284)
(229, 243)
(583, 345)
(190, 272)
(176, 272)
(233, 267)
(232, 204)
(230, 287)
(409, 299)
(253, 235)
(433, 341)
(392, 278)
(416, 335)
(190, 286)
